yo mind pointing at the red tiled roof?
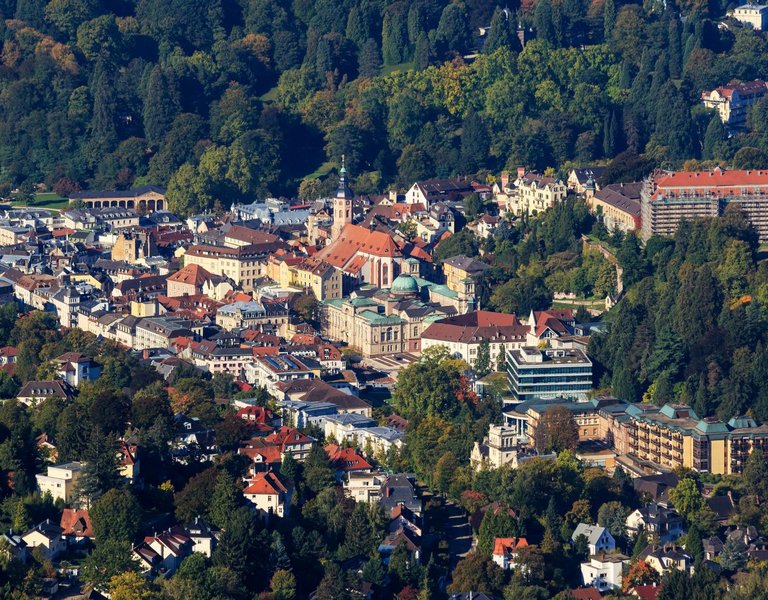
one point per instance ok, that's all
(353, 239)
(719, 182)
(504, 546)
(76, 522)
(191, 275)
(646, 592)
(255, 414)
(266, 484)
(585, 594)
(346, 459)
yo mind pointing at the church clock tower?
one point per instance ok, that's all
(342, 204)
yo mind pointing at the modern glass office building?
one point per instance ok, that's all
(549, 373)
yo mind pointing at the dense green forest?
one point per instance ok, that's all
(232, 99)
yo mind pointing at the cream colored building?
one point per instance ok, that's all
(381, 322)
(536, 193)
(499, 448)
(243, 265)
(269, 493)
(364, 487)
(754, 15)
(60, 481)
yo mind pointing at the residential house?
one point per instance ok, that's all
(34, 392)
(319, 276)
(60, 481)
(76, 525)
(244, 265)
(346, 460)
(264, 316)
(364, 486)
(536, 193)
(666, 558)
(401, 489)
(429, 191)
(459, 271)
(74, 368)
(130, 465)
(657, 520)
(203, 537)
(599, 539)
(162, 553)
(502, 446)
(194, 280)
(578, 178)
(270, 493)
(751, 15)
(48, 537)
(604, 572)
(269, 371)
(111, 218)
(505, 551)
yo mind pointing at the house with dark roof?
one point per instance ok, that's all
(48, 537)
(74, 367)
(665, 523)
(401, 489)
(35, 392)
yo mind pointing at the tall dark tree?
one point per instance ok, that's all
(369, 60)
(100, 470)
(502, 33)
(161, 105)
(474, 143)
(543, 23)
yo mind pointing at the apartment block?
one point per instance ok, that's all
(668, 198)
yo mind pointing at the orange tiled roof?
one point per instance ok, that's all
(266, 483)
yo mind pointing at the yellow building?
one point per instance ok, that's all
(674, 436)
(322, 278)
(460, 273)
(243, 265)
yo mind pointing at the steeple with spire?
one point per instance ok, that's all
(342, 204)
(343, 190)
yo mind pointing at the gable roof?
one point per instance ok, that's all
(505, 546)
(266, 484)
(76, 522)
(191, 275)
(44, 389)
(591, 532)
(354, 239)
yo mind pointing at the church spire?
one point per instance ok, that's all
(343, 190)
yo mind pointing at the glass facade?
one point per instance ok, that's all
(547, 379)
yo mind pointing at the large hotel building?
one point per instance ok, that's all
(667, 198)
(652, 438)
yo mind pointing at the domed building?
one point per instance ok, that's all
(405, 285)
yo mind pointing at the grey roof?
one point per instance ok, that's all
(591, 532)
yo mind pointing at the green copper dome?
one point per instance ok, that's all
(405, 284)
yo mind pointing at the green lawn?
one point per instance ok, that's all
(322, 170)
(406, 66)
(47, 200)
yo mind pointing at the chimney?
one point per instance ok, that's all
(520, 172)
(504, 179)
(145, 354)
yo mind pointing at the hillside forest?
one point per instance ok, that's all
(231, 100)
